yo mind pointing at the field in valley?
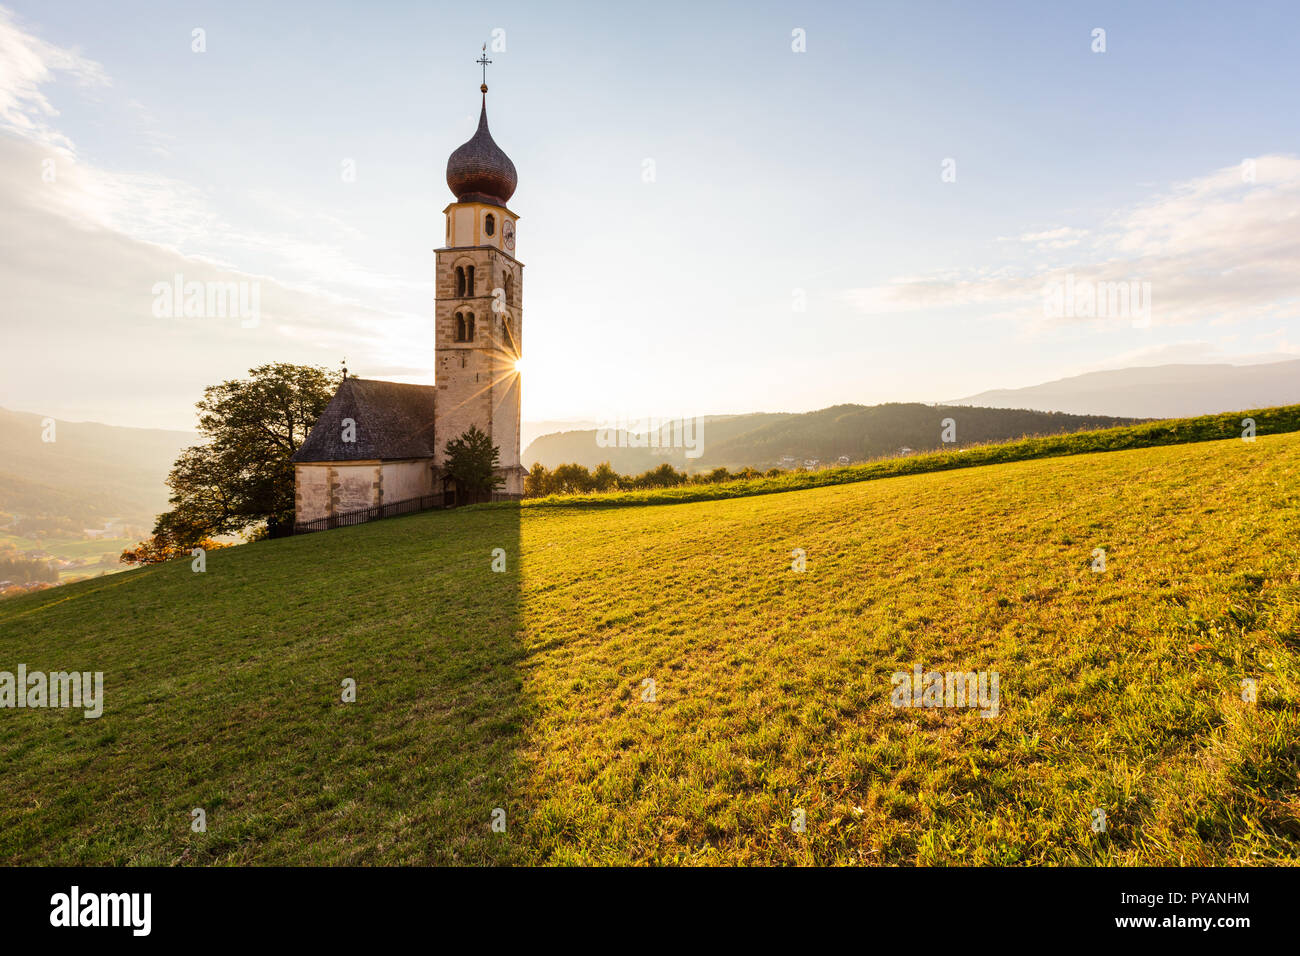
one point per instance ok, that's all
(525, 690)
(93, 556)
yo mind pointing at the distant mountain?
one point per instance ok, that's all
(1160, 391)
(530, 431)
(88, 474)
(765, 440)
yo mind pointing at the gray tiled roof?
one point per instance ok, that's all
(393, 420)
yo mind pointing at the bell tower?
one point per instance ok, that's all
(479, 318)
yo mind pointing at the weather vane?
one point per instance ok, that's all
(483, 61)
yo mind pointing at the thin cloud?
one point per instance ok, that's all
(83, 248)
(1060, 238)
(1220, 248)
(26, 64)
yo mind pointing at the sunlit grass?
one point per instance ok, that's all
(1119, 690)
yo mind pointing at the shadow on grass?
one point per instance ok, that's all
(224, 691)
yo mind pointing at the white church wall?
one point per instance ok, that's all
(311, 491)
(406, 479)
(322, 489)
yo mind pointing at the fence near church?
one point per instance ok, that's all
(362, 515)
(393, 509)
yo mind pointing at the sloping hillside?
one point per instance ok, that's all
(858, 432)
(89, 473)
(529, 690)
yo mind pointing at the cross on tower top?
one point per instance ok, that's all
(483, 61)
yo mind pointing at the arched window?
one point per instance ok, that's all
(510, 289)
(490, 224)
(460, 327)
(469, 326)
(469, 280)
(460, 281)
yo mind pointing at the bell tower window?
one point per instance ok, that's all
(469, 284)
(490, 224)
(460, 281)
(460, 327)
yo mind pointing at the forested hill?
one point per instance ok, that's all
(858, 432)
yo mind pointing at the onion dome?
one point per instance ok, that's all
(479, 171)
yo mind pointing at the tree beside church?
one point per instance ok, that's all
(472, 462)
(240, 479)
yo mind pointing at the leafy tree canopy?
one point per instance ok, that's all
(240, 479)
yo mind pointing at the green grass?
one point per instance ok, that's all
(523, 690)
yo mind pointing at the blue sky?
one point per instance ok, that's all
(779, 177)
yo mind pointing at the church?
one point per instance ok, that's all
(380, 447)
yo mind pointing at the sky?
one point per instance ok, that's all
(724, 207)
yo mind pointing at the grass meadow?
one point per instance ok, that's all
(525, 690)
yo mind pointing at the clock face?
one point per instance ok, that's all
(508, 234)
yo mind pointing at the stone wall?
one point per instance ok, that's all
(355, 486)
(476, 380)
(311, 493)
(322, 489)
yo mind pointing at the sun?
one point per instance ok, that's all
(519, 366)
